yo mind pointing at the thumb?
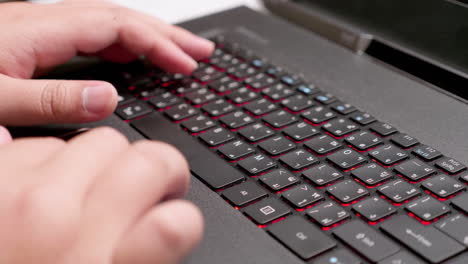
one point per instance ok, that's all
(34, 102)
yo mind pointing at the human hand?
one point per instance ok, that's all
(95, 199)
(38, 37)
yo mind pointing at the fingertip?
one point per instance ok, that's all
(99, 99)
(5, 136)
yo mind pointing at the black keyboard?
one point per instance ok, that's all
(325, 179)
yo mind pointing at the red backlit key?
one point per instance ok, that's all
(244, 193)
(327, 213)
(346, 158)
(427, 208)
(443, 186)
(374, 208)
(388, 154)
(347, 191)
(399, 191)
(371, 174)
(266, 211)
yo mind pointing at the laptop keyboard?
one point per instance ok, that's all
(325, 179)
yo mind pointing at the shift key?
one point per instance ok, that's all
(427, 241)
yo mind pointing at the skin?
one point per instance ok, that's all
(96, 198)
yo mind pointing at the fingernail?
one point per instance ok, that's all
(96, 99)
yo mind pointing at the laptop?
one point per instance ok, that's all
(302, 150)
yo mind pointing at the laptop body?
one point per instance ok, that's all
(409, 104)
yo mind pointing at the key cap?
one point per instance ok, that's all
(276, 145)
(428, 242)
(340, 256)
(274, 71)
(218, 107)
(322, 144)
(450, 165)
(278, 179)
(244, 193)
(242, 95)
(346, 158)
(198, 123)
(164, 100)
(277, 91)
(343, 108)
(461, 202)
(290, 79)
(388, 154)
(322, 174)
(443, 186)
(362, 118)
(224, 84)
(181, 111)
(260, 107)
(203, 163)
(455, 227)
(318, 114)
(300, 131)
(216, 136)
(307, 89)
(236, 150)
(302, 196)
(371, 174)
(325, 98)
(236, 119)
(399, 191)
(383, 129)
(256, 132)
(414, 169)
(257, 164)
(364, 140)
(460, 259)
(327, 213)
(402, 257)
(464, 178)
(298, 159)
(427, 208)
(374, 208)
(206, 74)
(340, 127)
(280, 119)
(266, 210)
(125, 98)
(241, 70)
(259, 81)
(185, 86)
(404, 140)
(347, 191)
(365, 240)
(133, 110)
(301, 237)
(297, 103)
(426, 152)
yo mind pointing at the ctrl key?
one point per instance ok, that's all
(302, 237)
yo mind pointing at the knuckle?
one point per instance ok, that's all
(54, 99)
(164, 153)
(110, 134)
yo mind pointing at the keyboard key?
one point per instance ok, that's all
(374, 208)
(244, 193)
(133, 110)
(365, 240)
(364, 140)
(266, 210)
(402, 257)
(200, 96)
(307, 89)
(198, 123)
(383, 129)
(185, 86)
(301, 237)
(241, 71)
(325, 98)
(164, 100)
(322, 144)
(218, 108)
(224, 85)
(259, 81)
(426, 152)
(362, 118)
(181, 111)
(343, 108)
(428, 242)
(280, 119)
(216, 136)
(346, 158)
(450, 165)
(399, 191)
(276, 145)
(297, 103)
(388, 154)
(298, 159)
(347, 191)
(455, 227)
(404, 140)
(461, 202)
(322, 174)
(277, 91)
(300, 131)
(340, 256)
(278, 179)
(427, 208)
(443, 186)
(260, 107)
(340, 127)
(206, 74)
(236, 150)
(256, 132)
(302, 196)
(414, 169)
(327, 214)
(242, 95)
(318, 114)
(257, 164)
(274, 71)
(125, 98)
(290, 79)
(236, 119)
(371, 174)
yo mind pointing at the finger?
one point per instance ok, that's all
(5, 136)
(197, 47)
(30, 102)
(164, 235)
(117, 53)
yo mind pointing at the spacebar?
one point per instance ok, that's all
(204, 164)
